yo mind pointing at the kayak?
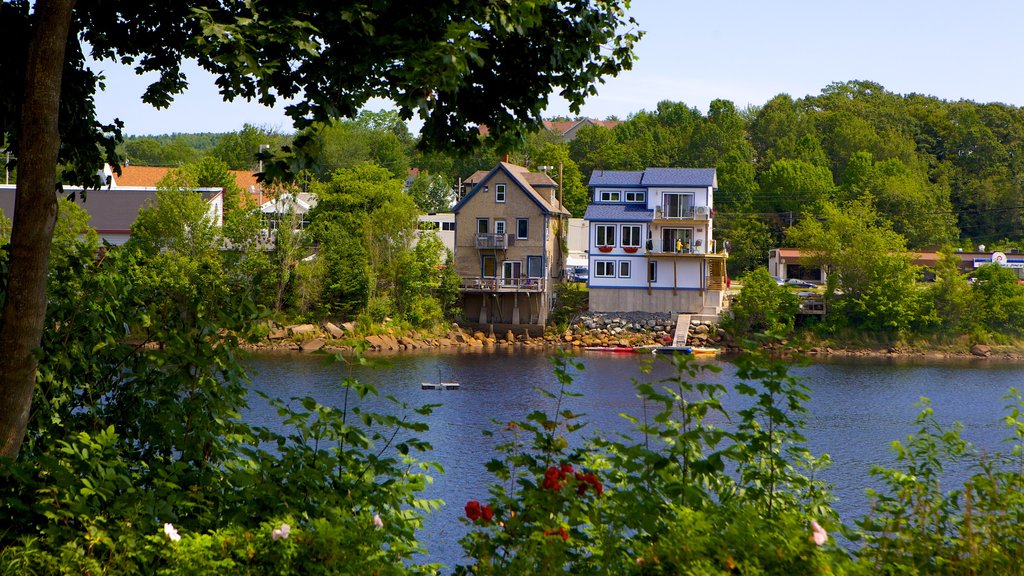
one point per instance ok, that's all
(616, 349)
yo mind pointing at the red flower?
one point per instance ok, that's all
(551, 479)
(488, 513)
(473, 510)
(566, 469)
(560, 532)
(588, 479)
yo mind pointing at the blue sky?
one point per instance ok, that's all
(746, 51)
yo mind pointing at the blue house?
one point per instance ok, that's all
(652, 247)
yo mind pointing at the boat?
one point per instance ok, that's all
(615, 349)
(692, 350)
(439, 386)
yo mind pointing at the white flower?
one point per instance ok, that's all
(171, 532)
(377, 522)
(281, 532)
(818, 534)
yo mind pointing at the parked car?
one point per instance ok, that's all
(577, 274)
(779, 281)
(800, 283)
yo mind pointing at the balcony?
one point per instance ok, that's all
(489, 284)
(494, 241)
(681, 212)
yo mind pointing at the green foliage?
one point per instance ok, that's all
(659, 502)
(997, 299)
(868, 266)
(432, 193)
(762, 306)
(571, 300)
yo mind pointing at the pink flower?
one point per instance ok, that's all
(818, 534)
(171, 532)
(377, 522)
(281, 532)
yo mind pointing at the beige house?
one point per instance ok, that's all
(510, 250)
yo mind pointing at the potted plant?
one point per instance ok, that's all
(629, 249)
(605, 248)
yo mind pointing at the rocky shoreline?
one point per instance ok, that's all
(590, 330)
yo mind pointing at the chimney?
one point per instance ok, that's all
(505, 158)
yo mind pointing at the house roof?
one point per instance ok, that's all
(685, 177)
(618, 213)
(528, 181)
(149, 176)
(563, 126)
(111, 210)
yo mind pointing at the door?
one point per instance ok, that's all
(511, 272)
(676, 239)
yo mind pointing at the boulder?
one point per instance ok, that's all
(297, 329)
(311, 345)
(349, 326)
(279, 334)
(333, 330)
(981, 350)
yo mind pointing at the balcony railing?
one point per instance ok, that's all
(494, 241)
(487, 284)
(669, 212)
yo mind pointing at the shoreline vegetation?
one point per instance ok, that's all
(346, 338)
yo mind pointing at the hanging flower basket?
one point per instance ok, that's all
(605, 248)
(630, 249)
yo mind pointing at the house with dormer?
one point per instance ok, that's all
(652, 246)
(510, 230)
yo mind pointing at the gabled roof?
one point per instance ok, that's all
(563, 126)
(528, 181)
(681, 177)
(618, 213)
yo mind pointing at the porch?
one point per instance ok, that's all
(483, 284)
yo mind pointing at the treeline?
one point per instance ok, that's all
(942, 173)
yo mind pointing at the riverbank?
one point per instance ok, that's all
(591, 330)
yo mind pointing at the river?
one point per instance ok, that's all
(857, 408)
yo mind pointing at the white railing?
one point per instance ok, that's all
(489, 284)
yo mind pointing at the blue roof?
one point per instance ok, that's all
(615, 178)
(618, 213)
(684, 177)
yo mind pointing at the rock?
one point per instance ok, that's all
(479, 335)
(349, 326)
(279, 334)
(333, 330)
(311, 345)
(296, 329)
(981, 350)
(701, 329)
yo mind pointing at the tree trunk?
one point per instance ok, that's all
(24, 311)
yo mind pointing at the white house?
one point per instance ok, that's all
(442, 224)
(651, 245)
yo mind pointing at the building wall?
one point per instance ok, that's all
(671, 272)
(639, 300)
(534, 307)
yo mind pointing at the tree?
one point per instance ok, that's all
(867, 263)
(238, 150)
(457, 64)
(796, 185)
(763, 306)
(432, 193)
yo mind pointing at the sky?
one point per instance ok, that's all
(746, 51)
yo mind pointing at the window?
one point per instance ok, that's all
(482, 226)
(652, 271)
(447, 225)
(522, 228)
(677, 205)
(609, 195)
(676, 239)
(499, 226)
(623, 268)
(511, 269)
(499, 192)
(630, 236)
(535, 266)
(605, 234)
(604, 269)
(488, 266)
(636, 196)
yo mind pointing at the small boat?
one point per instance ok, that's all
(692, 350)
(439, 386)
(616, 349)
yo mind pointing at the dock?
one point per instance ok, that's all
(682, 331)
